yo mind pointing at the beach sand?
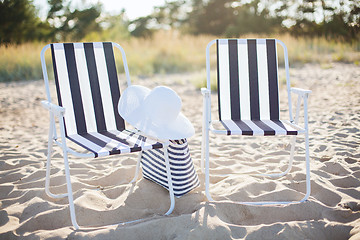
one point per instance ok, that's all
(103, 194)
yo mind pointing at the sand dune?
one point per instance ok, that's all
(103, 196)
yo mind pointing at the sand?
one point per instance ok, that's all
(103, 194)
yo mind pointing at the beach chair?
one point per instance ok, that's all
(87, 112)
(248, 100)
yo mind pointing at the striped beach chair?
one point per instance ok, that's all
(88, 93)
(248, 99)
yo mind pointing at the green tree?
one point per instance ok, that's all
(323, 18)
(19, 22)
(252, 18)
(114, 28)
(72, 24)
(231, 18)
(170, 15)
(141, 27)
(211, 17)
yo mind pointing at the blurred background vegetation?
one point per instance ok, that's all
(174, 36)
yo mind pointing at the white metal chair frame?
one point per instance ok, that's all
(208, 127)
(58, 112)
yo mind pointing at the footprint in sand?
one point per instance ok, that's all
(353, 206)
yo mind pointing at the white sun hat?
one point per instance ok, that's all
(155, 112)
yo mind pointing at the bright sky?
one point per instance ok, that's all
(134, 8)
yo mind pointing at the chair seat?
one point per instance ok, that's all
(114, 142)
(256, 127)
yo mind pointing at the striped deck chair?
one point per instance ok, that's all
(248, 99)
(88, 93)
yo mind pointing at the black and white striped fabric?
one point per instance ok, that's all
(248, 93)
(87, 87)
(184, 177)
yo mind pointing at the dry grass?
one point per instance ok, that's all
(171, 52)
(20, 62)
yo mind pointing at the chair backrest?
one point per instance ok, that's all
(247, 79)
(87, 86)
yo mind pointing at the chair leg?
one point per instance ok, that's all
(308, 181)
(169, 178)
(70, 193)
(137, 168)
(67, 175)
(207, 156)
(307, 158)
(202, 151)
(293, 140)
(48, 162)
(205, 124)
(278, 175)
(307, 152)
(204, 129)
(67, 171)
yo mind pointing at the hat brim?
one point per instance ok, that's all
(130, 102)
(180, 128)
(132, 110)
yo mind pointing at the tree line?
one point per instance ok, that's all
(20, 22)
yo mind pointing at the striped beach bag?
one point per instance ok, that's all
(183, 174)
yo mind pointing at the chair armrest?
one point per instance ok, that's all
(57, 110)
(300, 91)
